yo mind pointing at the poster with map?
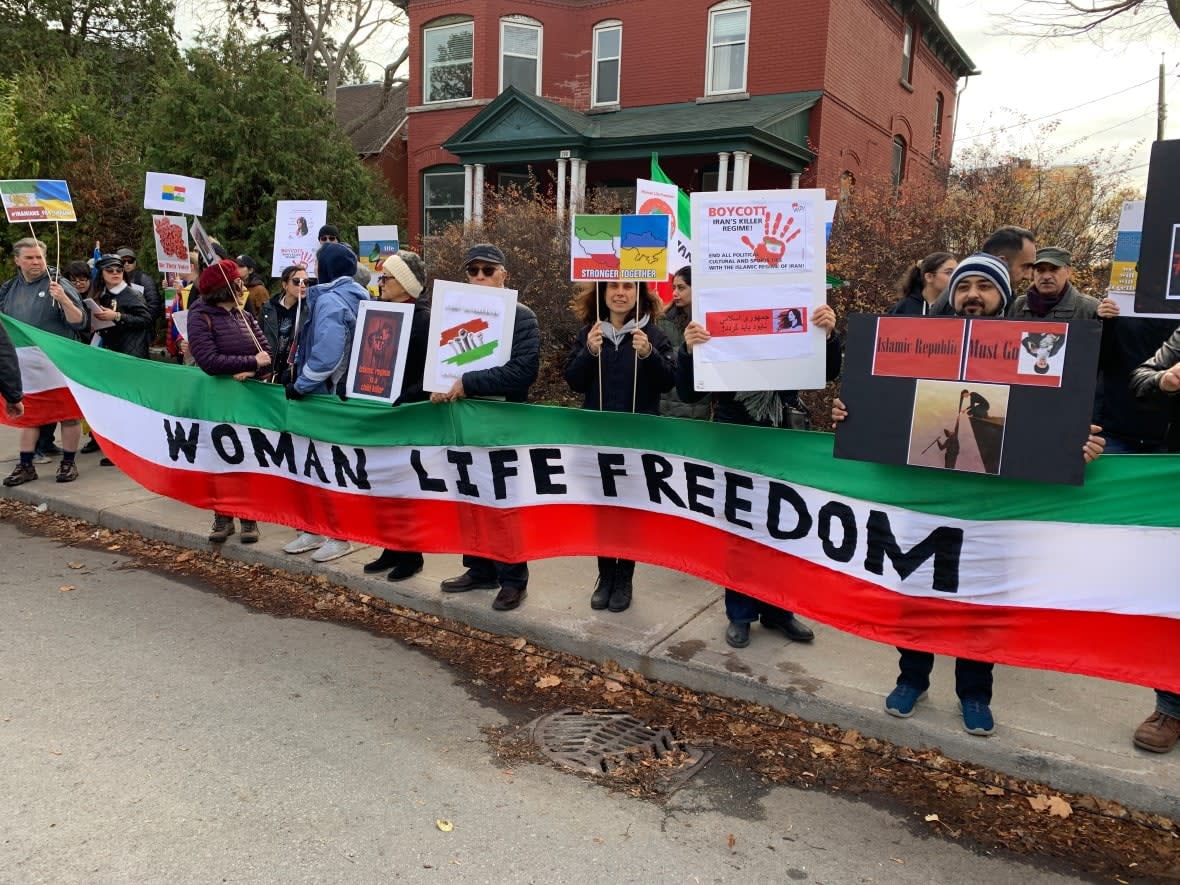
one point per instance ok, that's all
(619, 247)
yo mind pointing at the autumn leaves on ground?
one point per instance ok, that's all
(945, 798)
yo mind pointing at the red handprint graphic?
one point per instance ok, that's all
(775, 237)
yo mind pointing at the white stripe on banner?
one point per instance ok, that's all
(37, 371)
(1056, 565)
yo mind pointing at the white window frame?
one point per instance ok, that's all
(601, 27)
(520, 21)
(899, 160)
(426, 231)
(908, 39)
(426, 63)
(728, 6)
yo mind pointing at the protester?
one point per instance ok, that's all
(672, 323)
(922, 283)
(283, 316)
(1157, 380)
(484, 266)
(979, 287)
(322, 352)
(122, 304)
(226, 340)
(762, 408)
(329, 233)
(621, 362)
(38, 297)
(151, 292)
(403, 281)
(10, 381)
(257, 295)
(1016, 249)
(1053, 297)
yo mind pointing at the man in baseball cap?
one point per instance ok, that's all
(141, 281)
(1052, 296)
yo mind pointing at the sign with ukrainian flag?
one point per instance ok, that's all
(38, 199)
(164, 192)
(619, 247)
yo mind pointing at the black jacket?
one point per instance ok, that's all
(656, 373)
(279, 346)
(913, 305)
(412, 391)
(1145, 385)
(513, 379)
(1127, 342)
(727, 409)
(151, 294)
(10, 383)
(136, 327)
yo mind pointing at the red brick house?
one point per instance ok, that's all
(730, 93)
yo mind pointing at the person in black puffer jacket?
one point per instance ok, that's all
(123, 304)
(622, 362)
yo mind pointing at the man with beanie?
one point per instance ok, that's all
(1052, 296)
(979, 287)
(484, 266)
(321, 356)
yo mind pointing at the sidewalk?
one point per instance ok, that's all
(1069, 732)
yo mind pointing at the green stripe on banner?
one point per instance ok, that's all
(1120, 489)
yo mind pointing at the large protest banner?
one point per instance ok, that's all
(996, 396)
(1035, 575)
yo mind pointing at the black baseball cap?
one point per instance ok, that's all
(485, 252)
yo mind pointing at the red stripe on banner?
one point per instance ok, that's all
(1137, 649)
(46, 407)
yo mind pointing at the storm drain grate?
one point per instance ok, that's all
(601, 742)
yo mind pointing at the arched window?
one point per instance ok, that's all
(448, 46)
(898, 160)
(939, 110)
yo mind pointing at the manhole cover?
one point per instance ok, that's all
(601, 742)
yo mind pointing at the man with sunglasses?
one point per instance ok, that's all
(329, 233)
(485, 266)
(136, 277)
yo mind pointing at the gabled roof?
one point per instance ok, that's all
(370, 115)
(519, 127)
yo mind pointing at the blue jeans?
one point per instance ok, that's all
(743, 609)
(509, 574)
(973, 679)
(1167, 703)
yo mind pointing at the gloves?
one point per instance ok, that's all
(292, 393)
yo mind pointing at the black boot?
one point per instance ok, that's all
(605, 586)
(408, 565)
(387, 560)
(620, 596)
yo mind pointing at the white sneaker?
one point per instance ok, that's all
(304, 542)
(332, 549)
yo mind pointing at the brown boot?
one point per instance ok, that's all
(223, 527)
(249, 531)
(1158, 733)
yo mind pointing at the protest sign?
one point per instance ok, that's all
(470, 329)
(759, 273)
(379, 348)
(377, 242)
(1126, 247)
(37, 200)
(296, 224)
(619, 247)
(660, 198)
(1157, 286)
(994, 396)
(171, 244)
(174, 193)
(202, 242)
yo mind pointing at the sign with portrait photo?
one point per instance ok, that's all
(1004, 397)
(297, 222)
(379, 348)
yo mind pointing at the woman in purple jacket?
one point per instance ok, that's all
(226, 340)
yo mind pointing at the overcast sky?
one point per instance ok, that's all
(1042, 78)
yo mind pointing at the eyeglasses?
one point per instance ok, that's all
(381, 278)
(482, 270)
(329, 239)
(113, 268)
(129, 261)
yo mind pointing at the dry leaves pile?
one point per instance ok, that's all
(943, 796)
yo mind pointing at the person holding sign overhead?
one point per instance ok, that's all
(622, 362)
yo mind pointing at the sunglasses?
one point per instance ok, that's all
(482, 270)
(129, 261)
(329, 239)
(113, 269)
(300, 281)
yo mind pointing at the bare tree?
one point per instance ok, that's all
(1065, 18)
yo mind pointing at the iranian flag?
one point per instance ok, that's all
(1077, 579)
(47, 398)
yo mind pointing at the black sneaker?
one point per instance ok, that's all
(21, 474)
(67, 471)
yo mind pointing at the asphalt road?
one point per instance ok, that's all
(152, 732)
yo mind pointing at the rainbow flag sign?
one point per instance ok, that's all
(37, 200)
(1054, 577)
(174, 193)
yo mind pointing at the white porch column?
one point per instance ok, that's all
(561, 162)
(581, 185)
(741, 171)
(795, 176)
(723, 170)
(477, 195)
(468, 172)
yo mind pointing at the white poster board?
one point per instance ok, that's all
(174, 193)
(203, 243)
(297, 225)
(470, 329)
(759, 271)
(180, 320)
(171, 244)
(379, 347)
(656, 197)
